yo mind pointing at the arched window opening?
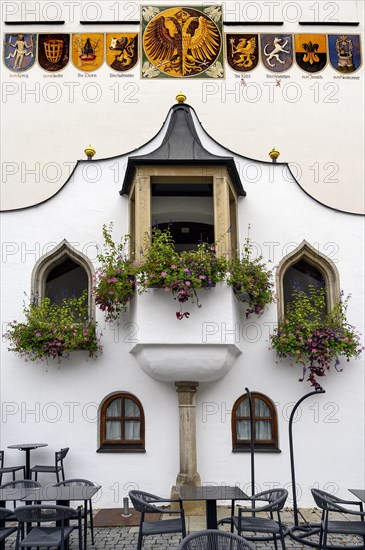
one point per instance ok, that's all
(64, 272)
(122, 423)
(302, 267)
(264, 424)
(301, 275)
(66, 280)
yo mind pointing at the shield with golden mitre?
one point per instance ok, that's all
(88, 51)
(122, 50)
(344, 52)
(276, 52)
(242, 51)
(19, 51)
(311, 52)
(53, 51)
(182, 42)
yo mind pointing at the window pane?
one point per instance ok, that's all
(132, 430)
(301, 275)
(113, 430)
(66, 280)
(115, 408)
(243, 408)
(243, 429)
(261, 409)
(263, 429)
(131, 408)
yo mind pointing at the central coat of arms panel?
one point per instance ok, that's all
(182, 42)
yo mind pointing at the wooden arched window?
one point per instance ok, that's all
(122, 423)
(265, 424)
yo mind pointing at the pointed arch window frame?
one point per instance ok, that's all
(305, 251)
(52, 259)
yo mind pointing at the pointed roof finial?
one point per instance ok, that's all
(181, 98)
(274, 154)
(89, 152)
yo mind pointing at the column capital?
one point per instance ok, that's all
(190, 387)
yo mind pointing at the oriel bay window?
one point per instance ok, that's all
(122, 423)
(183, 186)
(265, 426)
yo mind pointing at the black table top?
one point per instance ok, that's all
(25, 446)
(359, 493)
(11, 493)
(71, 492)
(212, 492)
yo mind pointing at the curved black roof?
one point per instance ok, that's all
(181, 145)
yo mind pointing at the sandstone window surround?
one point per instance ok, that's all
(307, 254)
(71, 268)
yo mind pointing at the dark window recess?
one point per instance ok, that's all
(187, 235)
(300, 276)
(264, 423)
(66, 280)
(182, 189)
(122, 423)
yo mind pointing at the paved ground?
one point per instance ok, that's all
(125, 538)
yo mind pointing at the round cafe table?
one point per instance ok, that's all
(27, 447)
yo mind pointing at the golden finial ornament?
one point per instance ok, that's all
(181, 98)
(274, 154)
(89, 152)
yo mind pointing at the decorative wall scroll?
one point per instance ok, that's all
(344, 52)
(182, 42)
(53, 51)
(242, 51)
(122, 50)
(19, 51)
(277, 52)
(88, 51)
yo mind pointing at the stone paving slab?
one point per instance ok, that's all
(125, 538)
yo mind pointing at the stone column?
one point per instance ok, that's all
(188, 474)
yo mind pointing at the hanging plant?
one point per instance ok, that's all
(115, 281)
(250, 279)
(313, 339)
(181, 273)
(53, 331)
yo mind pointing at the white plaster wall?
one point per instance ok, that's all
(57, 405)
(316, 121)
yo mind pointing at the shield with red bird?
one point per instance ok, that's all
(122, 50)
(182, 42)
(242, 51)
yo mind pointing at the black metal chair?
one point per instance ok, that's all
(329, 503)
(5, 515)
(265, 528)
(214, 539)
(88, 504)
(20, 483)
(8, 469)
(145, 503)
(45, 536)
(58, 467)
